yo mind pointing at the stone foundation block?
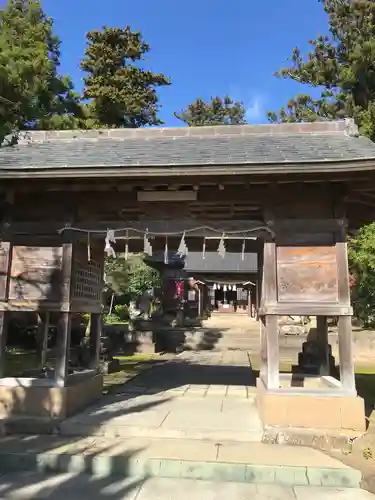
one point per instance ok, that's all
(55, 403)
(335, 413)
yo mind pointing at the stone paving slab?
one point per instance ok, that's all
(31, 486)
(255, 463)
(193, 411)
(311, 493)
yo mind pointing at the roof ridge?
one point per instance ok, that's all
(337, 127)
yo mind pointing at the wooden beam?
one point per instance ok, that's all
(307, 309)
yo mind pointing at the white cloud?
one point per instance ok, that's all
(255, 109)
(255, 103)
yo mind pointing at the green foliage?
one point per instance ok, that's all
(32, 93)
(116, 275)
(362, 250)
(130, 277)
(111, 319)
(122, 312)
(218, 111)
(122, 93)
(342, 64)
(362, 264)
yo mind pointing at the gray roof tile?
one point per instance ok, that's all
(163, 147)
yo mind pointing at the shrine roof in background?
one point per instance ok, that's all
(213, 262)
(248, 149)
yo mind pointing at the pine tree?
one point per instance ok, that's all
(217, 111)
(122, 93)
(342, 64)
(32, 93)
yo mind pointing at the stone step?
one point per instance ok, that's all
(142, 458)
(112, 430)
(32, 486)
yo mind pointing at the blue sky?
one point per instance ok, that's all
(207, 47)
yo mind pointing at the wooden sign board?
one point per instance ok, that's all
(36, 273)
(307, 274)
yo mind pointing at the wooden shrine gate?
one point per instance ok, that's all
(295, 188)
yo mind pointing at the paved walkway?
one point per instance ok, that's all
(206, 395)
(189, 419)
(31, 486)
(174, 432)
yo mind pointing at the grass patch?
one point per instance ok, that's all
(131, 366)
(17, 361)
(135, 358)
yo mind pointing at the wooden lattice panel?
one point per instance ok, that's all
(88, 281)
(87, 275)
(307, 274)
(36, 273)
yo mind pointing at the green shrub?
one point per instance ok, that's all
(122, 312)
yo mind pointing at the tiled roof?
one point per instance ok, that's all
(213, 262)
(200, 146)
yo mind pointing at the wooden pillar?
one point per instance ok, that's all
(346, 358)
(259, 285)
(347, 371)
(64, 324)
(62, 351)
(263, 349)
(4, 319)
(43, 326)
(95, 334)
(263, 329)
(199, 301)
(269, 322)
(5, 267)
(347, 374)
(322, 340)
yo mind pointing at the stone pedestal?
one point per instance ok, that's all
(143, 336)
(316, 359)
(311, 410)
(40, 398)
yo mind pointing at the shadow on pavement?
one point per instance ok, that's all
(181, 372)
(23, 454)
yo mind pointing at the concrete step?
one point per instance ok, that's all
(112, 430)
(141, 458)
(31, 486)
